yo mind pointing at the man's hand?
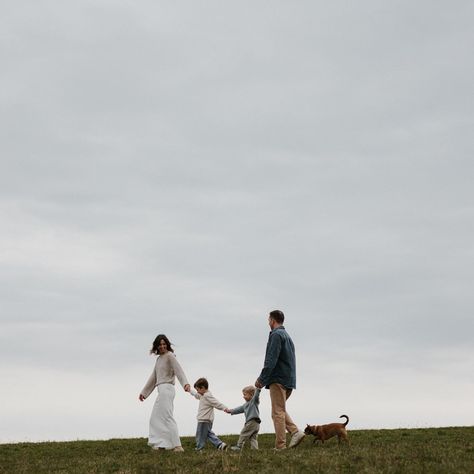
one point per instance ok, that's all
(141, 397)
(258, 384)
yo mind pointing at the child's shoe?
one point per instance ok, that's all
(235, 448)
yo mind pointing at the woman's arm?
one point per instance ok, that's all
(179, 372)
(149, 386)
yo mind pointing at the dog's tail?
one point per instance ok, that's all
(346, 417)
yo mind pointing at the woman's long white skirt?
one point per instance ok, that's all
(163, 427)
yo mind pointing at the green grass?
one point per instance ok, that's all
(434, 450)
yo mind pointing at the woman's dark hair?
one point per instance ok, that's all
(156, 343)
(277, 316)
(201, 383)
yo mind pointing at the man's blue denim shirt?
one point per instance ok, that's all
(280, 360)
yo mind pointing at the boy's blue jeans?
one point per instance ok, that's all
(203, 433)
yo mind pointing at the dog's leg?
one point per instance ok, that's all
(343, 437)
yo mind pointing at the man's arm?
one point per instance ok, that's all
(271, 358)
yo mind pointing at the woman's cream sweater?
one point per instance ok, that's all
(166, 369)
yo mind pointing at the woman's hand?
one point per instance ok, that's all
(141, 397)
(187, 388)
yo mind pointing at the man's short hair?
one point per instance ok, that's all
(277, 316)
(201, 383)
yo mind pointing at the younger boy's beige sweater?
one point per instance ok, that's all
(207, 403)
(166, 369)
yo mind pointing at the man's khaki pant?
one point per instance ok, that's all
(281, 420)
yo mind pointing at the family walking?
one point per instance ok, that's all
(278, 375)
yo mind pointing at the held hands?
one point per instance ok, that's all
(258, 384)
(141, 397)
(228, 411)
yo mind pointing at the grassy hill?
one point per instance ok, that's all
(434, 450)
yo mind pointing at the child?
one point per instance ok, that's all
(205, 417)
(252, 418)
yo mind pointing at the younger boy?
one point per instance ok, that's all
(205, 416)
(252, 418)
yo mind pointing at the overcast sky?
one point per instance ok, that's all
(186, 167)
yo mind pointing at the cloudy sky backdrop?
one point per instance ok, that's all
(186, 167)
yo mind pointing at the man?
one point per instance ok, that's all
(279, 375)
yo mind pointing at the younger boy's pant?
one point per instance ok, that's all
(203, 433)
(249, 433)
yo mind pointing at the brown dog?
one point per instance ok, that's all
(324, 432)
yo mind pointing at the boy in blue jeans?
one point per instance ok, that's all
(205, 417)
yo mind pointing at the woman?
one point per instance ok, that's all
(163, 427)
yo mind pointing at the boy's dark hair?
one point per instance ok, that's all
(277, 316)
(201, 383)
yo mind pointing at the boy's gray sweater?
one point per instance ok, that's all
(250, 408)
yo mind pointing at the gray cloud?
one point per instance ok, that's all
(185, 169)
